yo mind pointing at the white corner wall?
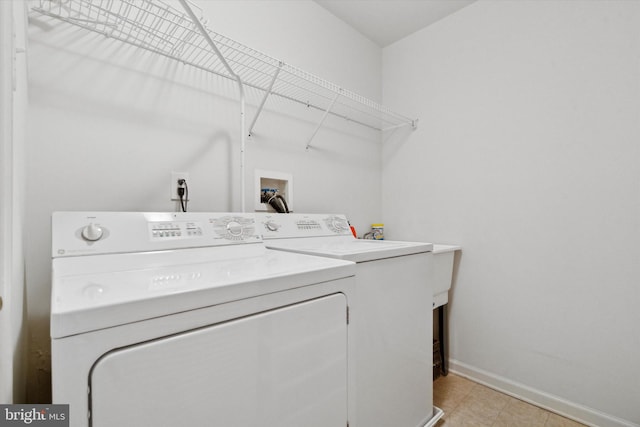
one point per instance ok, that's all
(109, 122)
(527, 156)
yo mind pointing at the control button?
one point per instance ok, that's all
(92, 232)
(337, 225)
(234, 228)
(271, 226)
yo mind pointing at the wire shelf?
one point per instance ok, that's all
(158, 27)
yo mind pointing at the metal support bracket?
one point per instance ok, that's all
(324, 116)
(264, 98)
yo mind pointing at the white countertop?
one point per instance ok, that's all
(440, 249)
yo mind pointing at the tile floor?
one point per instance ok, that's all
(468, 404)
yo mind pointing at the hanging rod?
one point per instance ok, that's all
(160, 28)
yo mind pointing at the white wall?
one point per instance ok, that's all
(13, 103)
(108, 123)
(527, 155)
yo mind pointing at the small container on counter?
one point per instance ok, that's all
(377, 231)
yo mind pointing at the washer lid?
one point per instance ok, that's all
(101, 291)
(328, 235)
(349, 248)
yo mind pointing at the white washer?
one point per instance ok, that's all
(393, 318)
(165, 319)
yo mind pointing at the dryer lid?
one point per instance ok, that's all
(101, 291)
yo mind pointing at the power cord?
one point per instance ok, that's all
(183, 193)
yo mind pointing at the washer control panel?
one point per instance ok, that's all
(87, 233)
(302, 225)
(305, 224)
(174, 230)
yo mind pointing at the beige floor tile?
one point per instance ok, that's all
(521, 414)
(456, 419)
(490, 396)
(468, 404)
(450, 391)
(453, 382)
(483, 404)
(558, 421)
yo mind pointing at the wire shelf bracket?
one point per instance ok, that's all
(264, 98)
(324, 117)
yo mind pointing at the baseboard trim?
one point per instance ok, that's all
(576, 412)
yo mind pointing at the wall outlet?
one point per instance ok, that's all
(175, 176)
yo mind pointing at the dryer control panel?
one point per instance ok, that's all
(87, 233)
(293, 225)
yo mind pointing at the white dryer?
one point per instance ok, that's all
(392, 321)
(168, 319)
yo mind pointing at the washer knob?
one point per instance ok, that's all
(234, 228)
(271, 226)
(337, 224)
(92, 232)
